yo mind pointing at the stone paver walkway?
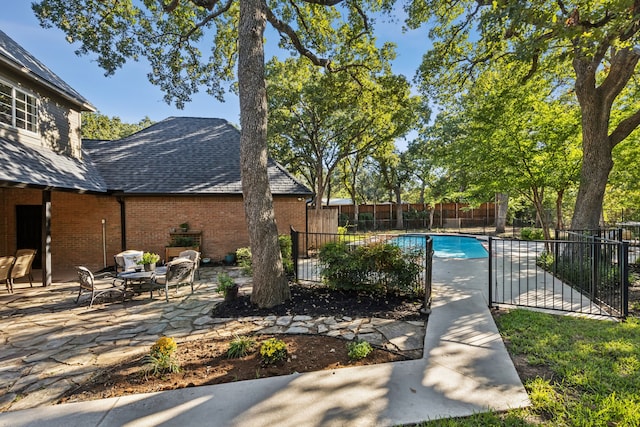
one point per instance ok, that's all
(50, 344)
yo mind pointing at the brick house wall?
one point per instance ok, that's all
(76, 224)
(221, 220)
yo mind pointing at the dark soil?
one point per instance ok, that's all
(205, 362)
(316, 301)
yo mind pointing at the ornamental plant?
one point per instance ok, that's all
(149, 258)
(240, 346)
(273, 350)
(358, 349)
(225, 284)
(161, 357)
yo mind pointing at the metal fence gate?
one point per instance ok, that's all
(577, 273)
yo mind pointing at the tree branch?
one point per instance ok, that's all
(624, 129)
(623, 64)
(284, 28)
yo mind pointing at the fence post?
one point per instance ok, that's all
(490, 269)
(624, 262)
(295, 250)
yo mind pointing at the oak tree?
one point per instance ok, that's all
(194, 45)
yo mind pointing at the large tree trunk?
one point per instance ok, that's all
(270, 285)
(597, 162)
(399, 218)
(597, 142)
(502, 200)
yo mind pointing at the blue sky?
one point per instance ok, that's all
(129, 95)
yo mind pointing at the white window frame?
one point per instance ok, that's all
(24, 108)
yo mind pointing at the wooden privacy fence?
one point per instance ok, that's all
(322, 221)
(417, 215)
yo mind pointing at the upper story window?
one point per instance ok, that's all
(18, 108)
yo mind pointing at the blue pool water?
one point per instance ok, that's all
(445, 246)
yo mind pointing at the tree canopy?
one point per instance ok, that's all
(594, 41)
(193, 45)
(100, 126)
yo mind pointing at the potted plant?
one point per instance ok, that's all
(227, 287)
(149, 260)
(184, 227)
(230, 258)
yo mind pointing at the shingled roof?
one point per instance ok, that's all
(181, 155)
(26, 164)
(22, 62)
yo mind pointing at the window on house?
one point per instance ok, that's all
(17, 108)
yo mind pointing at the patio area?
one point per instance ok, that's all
(50, 344)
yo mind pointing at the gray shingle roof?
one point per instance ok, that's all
(15, 56)
(33, 165)
(181, 155)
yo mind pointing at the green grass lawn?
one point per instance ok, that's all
(588, 372)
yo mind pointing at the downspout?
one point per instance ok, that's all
(306, 226)
(123, 224)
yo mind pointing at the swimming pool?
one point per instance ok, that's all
(445, 246)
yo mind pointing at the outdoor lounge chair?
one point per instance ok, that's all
(179, 271)
(88, 284)
(6, 262)
(22, 265)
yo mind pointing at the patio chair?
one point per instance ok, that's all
(193, 256)
(127, 260)
(179, 271)
(6, 262)
(22, 265)
(88, 284)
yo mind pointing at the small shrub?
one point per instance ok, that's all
(531, 234)
(225, 284)
(376, 268)
(243, 258)
(545, 260)
(240, 346)
(286, 251)
(273, 350)
(359, 349)
(161, 357)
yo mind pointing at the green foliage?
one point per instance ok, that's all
(182, 241)
(286, 251)
(225, 284)
(99, 126)
(342, 231)
(319, 121)
(531, 234)
(149, 258)
(243, 258)
(240, 346)
(273, 350)
(376, 267)
(358, 349)
(161, 358)
(545, 260)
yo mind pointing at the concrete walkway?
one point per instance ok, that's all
(465, 369)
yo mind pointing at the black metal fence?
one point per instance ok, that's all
(418, 249)
(577, 272)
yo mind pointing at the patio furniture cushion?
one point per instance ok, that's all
(127, 260)
(22, 265)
